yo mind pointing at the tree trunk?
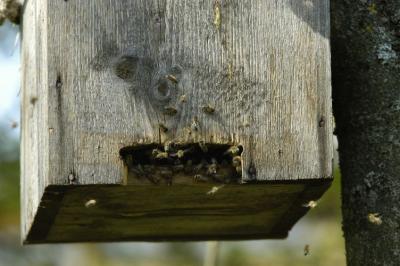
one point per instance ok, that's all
(365, 48)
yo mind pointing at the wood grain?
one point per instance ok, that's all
(101, 71)
(180, 212)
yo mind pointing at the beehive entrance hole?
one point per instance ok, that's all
(191, 163)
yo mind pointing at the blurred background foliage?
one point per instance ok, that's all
(320, 228)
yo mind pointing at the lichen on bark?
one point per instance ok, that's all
(366, 95)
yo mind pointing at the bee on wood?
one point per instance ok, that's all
(311, 204)
(212, 168)
(188, 166)
(167, 175)
(217, 15)
(168, 146)
(200, 166)
(163, 128)
(90, 203)
(224, 175)
(139, 171)
(233, 150)
(170, 111)
(195, 124)
(200, 178)
(71, 179)
(159, 154)
(203, 146)
(180, 153)
(33, 99)
(237, 163)
(214, 190)
(182, 99)
(178, 167)
(172, 78)
(208, 109)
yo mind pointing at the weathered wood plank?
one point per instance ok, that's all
(180, 212)
(109, 75)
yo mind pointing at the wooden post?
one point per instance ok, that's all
(166, 119)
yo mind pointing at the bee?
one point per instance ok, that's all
(182, 99)
(311, 204)
(214, 190)
(170, 111)
(212, 168)
(195, 124)
(321, 122)
(139, 171)
(90, 203)
(172, 78)
(167, 175)
(233, 150)
(188, 166)
(33, 99)
(71, 178)
(180, 153)
(237, 163)
(208, 109)
(200, 178)
(198, 167)
(14, 124)
(168, 146)
(375, 218)
(306, 250)
(163, 127)
(178, 166)
(217, 15)
(159, 154)
(203, 146)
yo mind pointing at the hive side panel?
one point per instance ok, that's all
(262, 65)
(34, 130)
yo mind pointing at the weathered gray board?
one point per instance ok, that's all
(94, 82)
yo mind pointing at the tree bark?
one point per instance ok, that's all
(366, 96)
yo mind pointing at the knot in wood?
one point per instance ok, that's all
(125, 68)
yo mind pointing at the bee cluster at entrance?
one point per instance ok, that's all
(174, 163)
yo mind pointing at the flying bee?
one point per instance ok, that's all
(203, 146)
(233, 150)
(208, 109)
(170, 111)
(306, 250)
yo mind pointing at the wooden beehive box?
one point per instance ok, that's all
(173, 120)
